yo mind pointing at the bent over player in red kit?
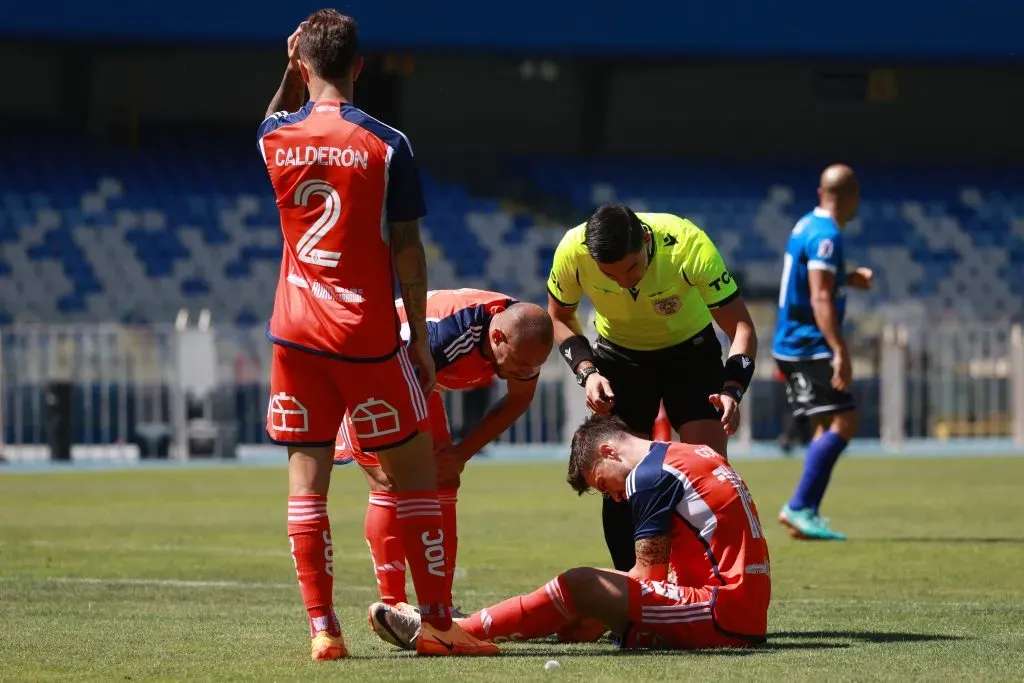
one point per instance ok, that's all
(702, 577)
(349, 195)
(474, 336)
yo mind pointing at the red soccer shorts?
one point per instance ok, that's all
(673, 617)
(347, 446)
(309, 394)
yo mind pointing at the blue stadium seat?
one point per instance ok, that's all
(190, 219)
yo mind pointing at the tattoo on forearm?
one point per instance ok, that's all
(290, 94)
(411, 267)
(653, 551)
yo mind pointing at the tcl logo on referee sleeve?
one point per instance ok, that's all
(722, 279)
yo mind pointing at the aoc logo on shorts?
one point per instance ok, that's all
(286, 414)
(374, 418)
(668, 306)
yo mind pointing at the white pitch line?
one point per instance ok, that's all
(172, 583)
(369, 588)
(200, 584)
(157, 548)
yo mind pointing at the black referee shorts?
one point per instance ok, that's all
(683, 376)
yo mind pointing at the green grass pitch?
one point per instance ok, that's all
(184, 574)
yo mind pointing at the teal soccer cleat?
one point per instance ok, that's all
(806, 525)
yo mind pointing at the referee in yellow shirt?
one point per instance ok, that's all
(656, 282)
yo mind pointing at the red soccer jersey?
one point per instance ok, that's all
(691, 494)
(340, 176)
(457, 324)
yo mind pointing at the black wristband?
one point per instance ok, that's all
(734, 392)
(739, 369)
(575, 350)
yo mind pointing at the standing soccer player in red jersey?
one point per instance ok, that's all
(702, 577)
(349, 195)
(475, 336)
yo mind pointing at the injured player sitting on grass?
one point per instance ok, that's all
(702, 577)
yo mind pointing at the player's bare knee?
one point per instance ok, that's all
(378, 481)
(411, 465)
(449, 483)
(581, 584)
(846, 424)
(309, 470)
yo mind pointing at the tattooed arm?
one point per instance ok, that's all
(652, 555)
(292, 90)
(411, 269)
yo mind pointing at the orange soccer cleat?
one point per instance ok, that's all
(452, 643)
(326, 647)
(402, 628)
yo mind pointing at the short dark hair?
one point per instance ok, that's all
(329, 43)
(613, 233)
(583, 452)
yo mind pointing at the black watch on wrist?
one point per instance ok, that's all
(735, 392)
(582, 375)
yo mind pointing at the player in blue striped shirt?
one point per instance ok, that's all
(809, 345)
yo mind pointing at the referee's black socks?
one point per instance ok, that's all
(618, 533)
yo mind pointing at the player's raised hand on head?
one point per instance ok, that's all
(419, 354)
(842, 372)
(600, 397)
(729, 407)
(293, 47)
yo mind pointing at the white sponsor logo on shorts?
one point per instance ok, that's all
(286, 414)
(374, 418)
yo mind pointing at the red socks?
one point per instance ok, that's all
(388, 553)
(309, 533)
(416, 527)
(541, 613)
(449, 522)
(386, 550)
(662, 430)
(422, 532)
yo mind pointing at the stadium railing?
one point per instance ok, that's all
(184, 391)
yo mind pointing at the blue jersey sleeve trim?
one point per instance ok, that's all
(457, 335)
(282, 118)
(653, 495)
(405, 190)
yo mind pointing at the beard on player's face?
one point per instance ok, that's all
(609, 476)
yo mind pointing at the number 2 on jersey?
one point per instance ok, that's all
(306, 248)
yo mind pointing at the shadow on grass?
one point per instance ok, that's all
(555, 650)
(996, 540)
(806, 640)
(864, 636)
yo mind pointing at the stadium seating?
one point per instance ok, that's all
(130, 235)
(942, 240)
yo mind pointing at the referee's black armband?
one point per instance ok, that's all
(739, 368)
(575, 350)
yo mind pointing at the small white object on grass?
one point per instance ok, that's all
(552, 664)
